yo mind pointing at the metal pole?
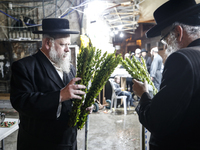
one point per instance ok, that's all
(143, 138)
(56, 9)
(43, 8)
(86, 132)
(2, 144)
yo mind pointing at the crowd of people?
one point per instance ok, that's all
(154, 64)
(43, 85)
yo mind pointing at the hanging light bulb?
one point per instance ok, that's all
(116, 31)
(120, 27)
(10, 5)
(121, 35)
(111, 34)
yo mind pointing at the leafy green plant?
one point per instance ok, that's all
(138, 71)
(108, 64)
(96, 69)
(85, 62)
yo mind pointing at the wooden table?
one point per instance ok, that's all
(4, 132)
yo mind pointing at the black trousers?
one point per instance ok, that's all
(27, 142)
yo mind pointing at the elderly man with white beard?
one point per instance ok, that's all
(42, 89)
(172, 115)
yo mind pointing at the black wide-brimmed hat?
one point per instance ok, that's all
(55, 26)
(183, 11)
(144, 50)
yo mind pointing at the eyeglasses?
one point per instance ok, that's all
(163, 39)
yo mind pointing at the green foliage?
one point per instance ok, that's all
(138, 71)
(108, 64)
(143, 63)
(91, 67)
(85, 62)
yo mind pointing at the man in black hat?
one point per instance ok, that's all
(172, 115)
(42, 89)
(147, 59)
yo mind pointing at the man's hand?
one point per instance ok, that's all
(139, 88)
(90, 109)
(72, 90)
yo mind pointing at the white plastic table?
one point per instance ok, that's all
(4, 132)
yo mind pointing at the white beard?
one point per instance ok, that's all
(62, 61)
(173, 46)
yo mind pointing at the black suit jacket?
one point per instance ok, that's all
(172, 116)
(35, 92)
(148, 62)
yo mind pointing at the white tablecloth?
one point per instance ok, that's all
(4, 132)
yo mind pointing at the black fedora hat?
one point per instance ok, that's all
(144, 50)
(183, 11)
(55, 26)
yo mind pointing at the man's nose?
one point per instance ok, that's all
(67, 49)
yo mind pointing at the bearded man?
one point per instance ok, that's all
(172, 115)
(42, 89)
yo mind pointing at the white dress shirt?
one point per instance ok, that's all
(60, 72)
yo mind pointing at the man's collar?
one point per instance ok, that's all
(194, 43)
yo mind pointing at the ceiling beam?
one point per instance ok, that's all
(115, 26)
(126, 13)
(147, 21)
(118, 15)
(113, 20)
(127, 21)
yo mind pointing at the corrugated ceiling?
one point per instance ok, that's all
(127, 14)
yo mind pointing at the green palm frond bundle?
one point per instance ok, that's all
(96, 69)
(138, 71)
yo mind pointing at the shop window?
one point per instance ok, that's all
(139, 42)
(149, 47)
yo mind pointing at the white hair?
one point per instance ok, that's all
(173, 46)
(64, 64)
(137, 51)
(155, 49)
(54, 36)
(192, 31)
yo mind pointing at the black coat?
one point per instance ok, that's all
(172, 116)
(35, 92)
(148, 62)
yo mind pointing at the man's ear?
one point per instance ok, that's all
(179, 32)
(47, 43)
